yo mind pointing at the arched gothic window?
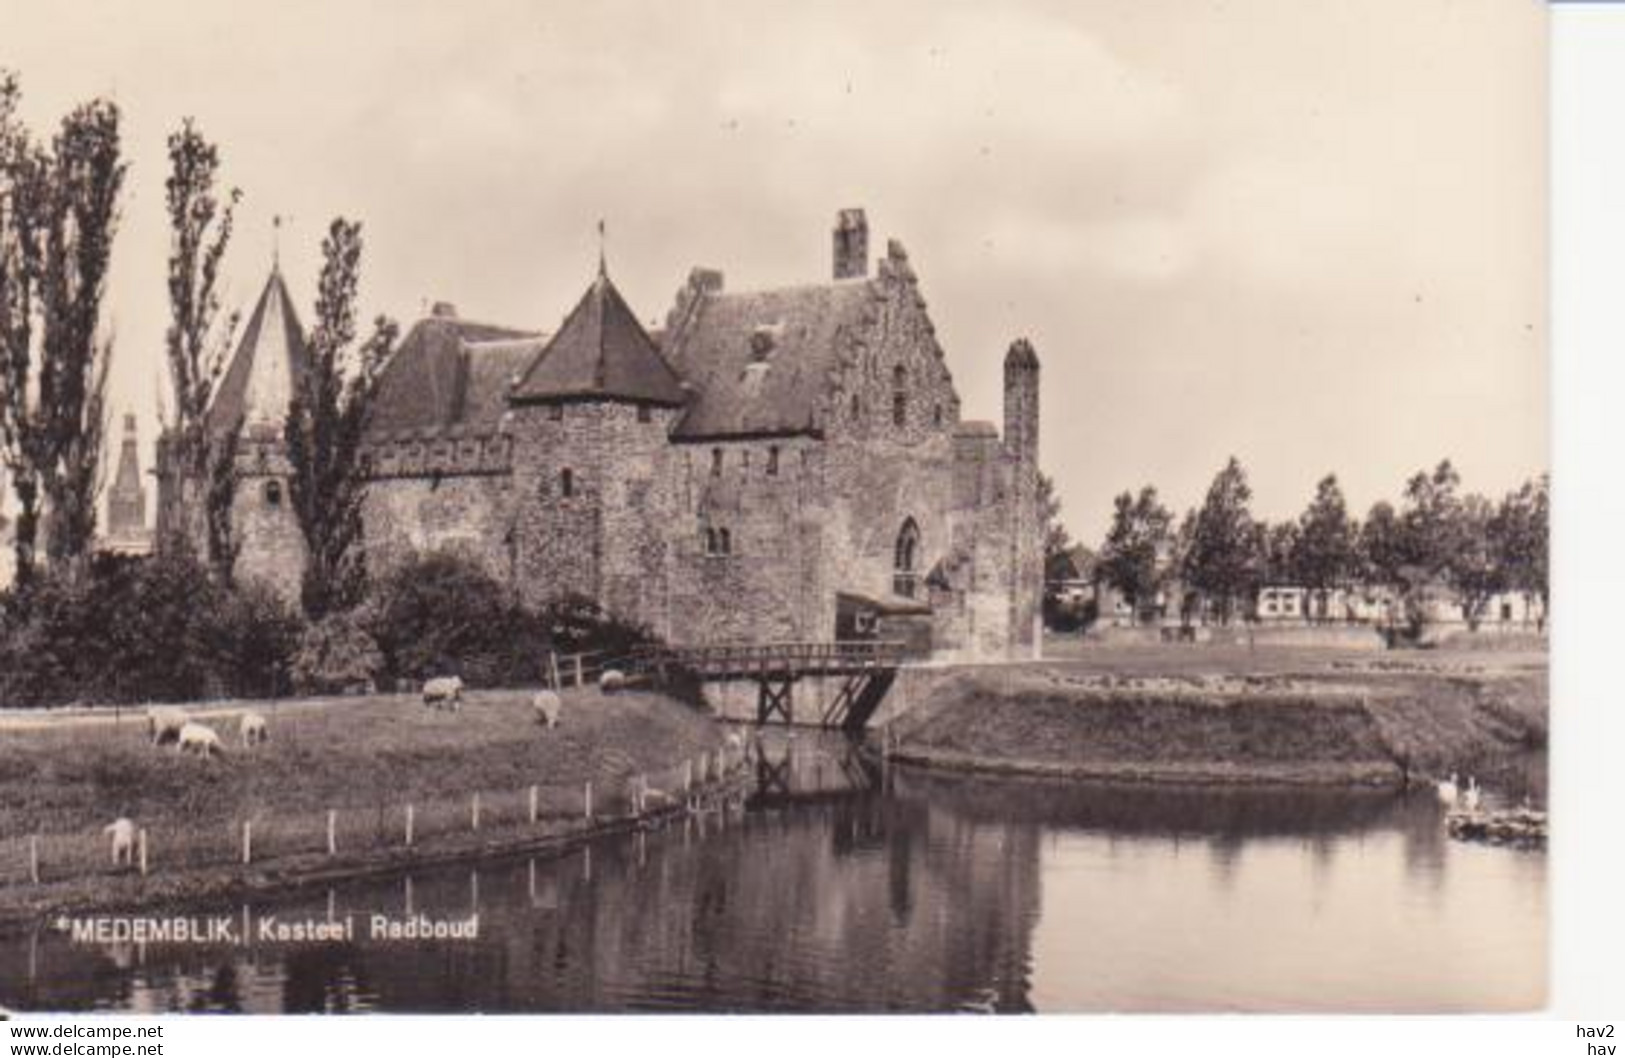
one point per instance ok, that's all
(905, 561)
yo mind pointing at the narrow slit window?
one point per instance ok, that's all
(567, 483)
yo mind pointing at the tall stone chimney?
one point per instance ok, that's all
(851, 244)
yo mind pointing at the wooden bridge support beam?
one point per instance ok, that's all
(773, 695)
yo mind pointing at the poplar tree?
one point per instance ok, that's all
(326, 427)
(203, 463)
(58, 216)
(1223, 562)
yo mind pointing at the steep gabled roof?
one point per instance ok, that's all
(450, 373)
(760, 361)
(601, 351)
(260, 379)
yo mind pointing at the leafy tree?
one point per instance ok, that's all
(1222, 561)
(1520, 533)
(57, 221)
(1473, 568)
(1057, 542)
(1325, 555)
(1430, 521)
(1277, 548)
(1381, 550)
(196, 344)
(441, 614)
(325, 428)
(1131, 561)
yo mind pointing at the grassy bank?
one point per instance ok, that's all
(1182, 714)
(358, 762)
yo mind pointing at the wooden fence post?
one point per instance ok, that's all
(409, 815)
(474, 817)
(141, 841)
(581, 679)
(33, 857)
(586, 796)
(332, 831)
(533, 796)
(688, 775)
(553, 667)
(248, 841)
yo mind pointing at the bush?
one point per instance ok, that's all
(576, 624)
(336, 655)
(443, 615)
(253, 635)
(128, 630)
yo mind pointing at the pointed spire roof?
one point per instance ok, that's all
(259, 382)
(128, 480)
(600, 351)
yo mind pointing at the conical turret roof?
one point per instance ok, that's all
(269, 361)
(600, 351)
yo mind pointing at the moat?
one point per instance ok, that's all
(909, 891)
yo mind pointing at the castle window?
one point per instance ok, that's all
(273, 493)
(936, 415)
(899, 396)
(716, 462)
(773, 460)
(857, 406)
(644, 413)
(718, 542)
(555, 412)
(567, 483)
(905, 560)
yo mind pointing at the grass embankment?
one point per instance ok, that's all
(1292, 719)
(364, 759)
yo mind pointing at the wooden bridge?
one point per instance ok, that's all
(861, 670)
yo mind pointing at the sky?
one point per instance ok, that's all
(1309, 235)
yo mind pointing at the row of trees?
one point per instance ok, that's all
(1437, 540)
(82, 625)
(59, 212)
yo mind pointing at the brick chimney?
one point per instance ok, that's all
(851, 244)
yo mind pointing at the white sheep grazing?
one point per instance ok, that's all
(548, 706)
(611, 681)
(164, 722)
(199, 739)
(254, 730)
(443, 692)
(123, 833)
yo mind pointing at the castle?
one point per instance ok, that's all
(769, 465)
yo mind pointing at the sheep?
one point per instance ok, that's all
(547, 705)
(199, 739)
(444, 692)
(611, 681)
(123, 834)
(165, 722)
(253, 729)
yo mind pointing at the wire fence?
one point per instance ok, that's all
(362, 827)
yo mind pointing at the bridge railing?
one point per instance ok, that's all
(775, 657)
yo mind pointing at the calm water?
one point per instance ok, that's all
(843, 890)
